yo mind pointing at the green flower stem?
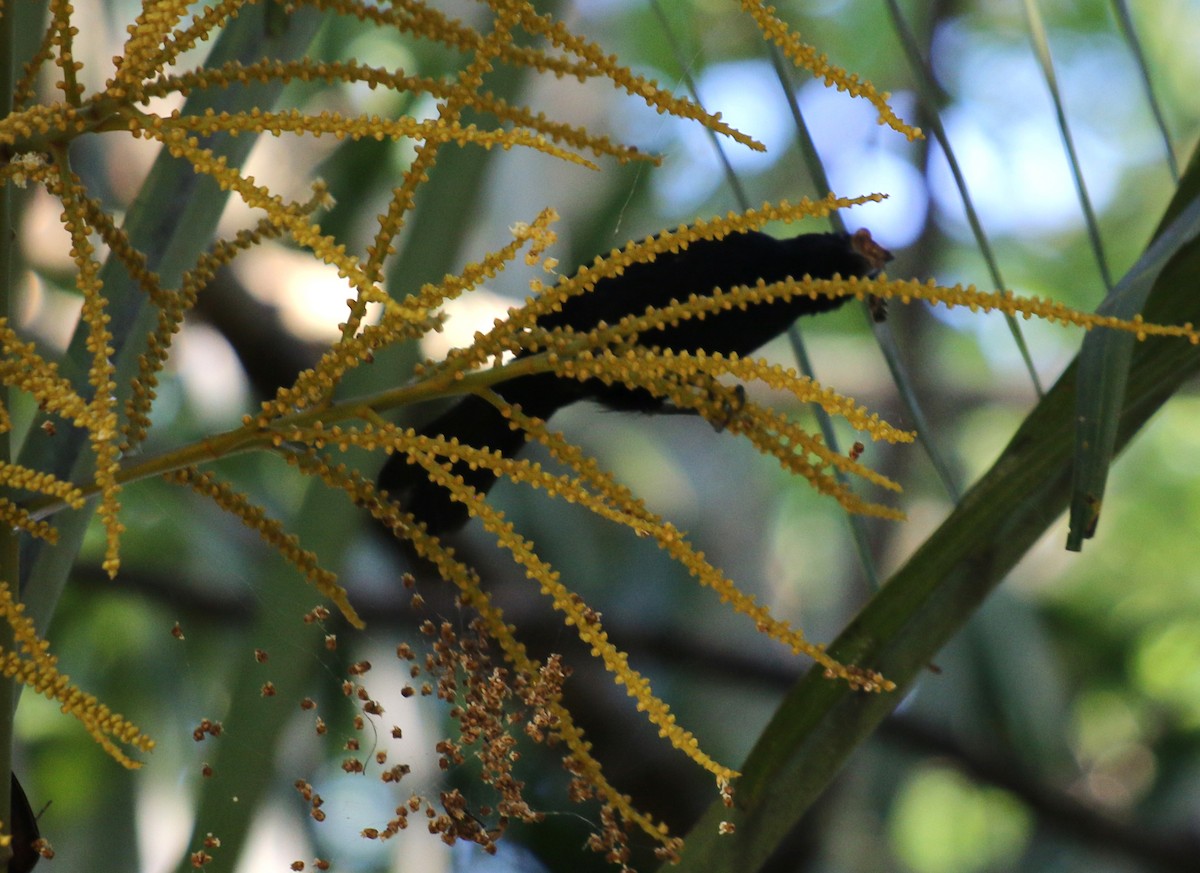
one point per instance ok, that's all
(249, 438)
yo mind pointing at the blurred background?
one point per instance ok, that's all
(1060, 731)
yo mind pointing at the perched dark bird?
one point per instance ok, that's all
(738, 259)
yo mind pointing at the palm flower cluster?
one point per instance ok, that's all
(100, 402)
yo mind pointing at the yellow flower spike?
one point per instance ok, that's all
(314, 386)
(487, 49)
(142, 53)
(352, 71)
(26, 89)
(172, 308)
(101, 417)
(1009, 303)
(39, 670)
(771, 433)
(271, 531)
(669, 374)
(300, 228)
(174, 305)
(16, 476)
(24, 369)
(19, 518)
(538, 233)
(806, 57)
(606, 65)
(371, 127)
(585, 279)
(803, 388)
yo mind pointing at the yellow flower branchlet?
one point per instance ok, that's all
(25, 89)
(580, 58)
(314, 386)
(365, 127)
(33, 665)
(26, 370)
(673, 376)
(804, 388)
(205, 22)
(808, 58)
(673, 541)
(62, 37)
(449, 110)
(1008, 303)
(24, 479)
(557, 34)
(352, 71)
(19, 518)
(300, 228)
(142, 53)
(273, 532)
(173, 306)
(118, 243)
(506, 336)
(409, 319)
(102, 415)
(537, 234)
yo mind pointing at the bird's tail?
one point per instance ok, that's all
(475, 422)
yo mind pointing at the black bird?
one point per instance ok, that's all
(738, 259)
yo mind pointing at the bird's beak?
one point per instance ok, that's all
(876, 256)
(872, 252)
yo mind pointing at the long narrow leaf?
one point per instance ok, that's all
(1041, 46)
(1125, 20)
(1103, 368)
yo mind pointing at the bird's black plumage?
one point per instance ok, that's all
(738, 259)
